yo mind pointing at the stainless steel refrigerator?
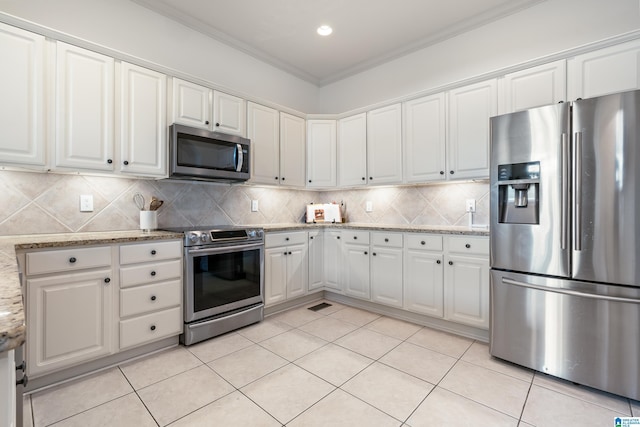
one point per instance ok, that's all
(565, 241)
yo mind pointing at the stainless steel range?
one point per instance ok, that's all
(223, 280)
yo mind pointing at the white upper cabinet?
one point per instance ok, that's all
(22, 87)
(84, 109)
(534, 87)
(425, 139)
(191, 104)
(143, 126)
(264, 133)
(352, 151)
(229, 114)
(470, 108)
(321, 153)
(292, 150)
(605, 71)
(384, 145)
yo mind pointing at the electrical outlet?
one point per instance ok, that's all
(470, 205)
(86, 203)
(369, 206)
(254, 206)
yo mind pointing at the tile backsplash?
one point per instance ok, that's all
(50, 203)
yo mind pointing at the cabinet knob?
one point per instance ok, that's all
(283, 178)
(374, 254)
(370, 178)
(276, 178)
(72, 259)
(364, 179)
(289, 253)
(355, 237)
(153, 327)
(450, 262)
(309, 180)
(311, 237)
(206, 122)
(366, 253)
(153, 297)
(285, 252)
(23, 381)
(468, 246)
(451, 172)
(286, 238)
(338, 237)
(441, 172)
(107, 280)
(423, 243)
(438, 262)
(386, 240)
(217, 124)
(109, 161)
(153, 252)
(153, 273)
(126, 162)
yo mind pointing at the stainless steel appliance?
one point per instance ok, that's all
(207, 156)
(223, 280)
(565, 241)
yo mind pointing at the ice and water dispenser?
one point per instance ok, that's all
(518, 193)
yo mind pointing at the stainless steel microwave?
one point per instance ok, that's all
(203, 155)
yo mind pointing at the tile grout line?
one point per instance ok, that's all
(138, 396)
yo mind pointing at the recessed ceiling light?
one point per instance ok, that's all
(325, 30)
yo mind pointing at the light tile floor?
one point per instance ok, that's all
(340, 366)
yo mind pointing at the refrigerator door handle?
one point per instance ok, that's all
(564, 161)
(508, 281)
(577, 191)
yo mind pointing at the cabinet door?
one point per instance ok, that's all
(384, 145)
(191, 104)
(333, 260)
(470, 108)
(605, 71)
(534, 87)
(356, 271)
(84, 109)
(321, 153)
(69, 320)
(143, 127)
(22, 89)
(8, 389)
(229, 114)
(275, 275)
(386, 276)
(316, 260)
(467, 291)
(292, 150)
(264, 133)
(297, 270)
(423, 283)
(424, 139)
(352, 151)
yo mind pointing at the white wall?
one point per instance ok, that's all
(544, 29)
(132, 29)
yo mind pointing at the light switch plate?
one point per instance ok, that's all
(254, 206)
(369, 206)
(470, 205)
(86, 203)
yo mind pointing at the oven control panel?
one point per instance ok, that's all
(223, 235)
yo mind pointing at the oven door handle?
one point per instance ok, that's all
(222, 249)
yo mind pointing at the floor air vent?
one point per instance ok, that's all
(319, 306)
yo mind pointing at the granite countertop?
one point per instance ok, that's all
(12, 326)
(435, 229)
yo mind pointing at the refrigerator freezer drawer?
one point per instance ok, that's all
(582, 332)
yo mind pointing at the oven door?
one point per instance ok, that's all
(221, 279)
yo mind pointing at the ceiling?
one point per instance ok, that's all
(366, 33)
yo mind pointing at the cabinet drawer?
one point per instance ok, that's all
(150, 327)
(152, 251)
(469, 245)
(392, 240)
(68, 259)
(426, 242)
(143, 299)
(146, 273)
(272, 240)
(359, 237)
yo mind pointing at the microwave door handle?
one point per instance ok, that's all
(239, 158)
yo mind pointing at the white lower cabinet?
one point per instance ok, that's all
(8, 389)
(333, 261)
(423, 274)
(316, 260)
(386, 268)
(355, 271)
(285, 266)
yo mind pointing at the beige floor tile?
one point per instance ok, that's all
(210, 350)
(264, 330)
(393, 327)
(355, 316)
(71, 398)
(293, 344)
(606, 400)
(27, 415)
(493, 389)
(122, 412)
(327, 310)
(328, 328)
(442, 342)
(287, 392)
(144, 372)
(428, 365)
(184, 393)
(635, 408)
(247, 365)
(234, 410)
(368, 343)
(334, 363)
(392, 391)
(443, 408)
(478, 354)
(548, 407)
(340, 409)
(297, 317)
